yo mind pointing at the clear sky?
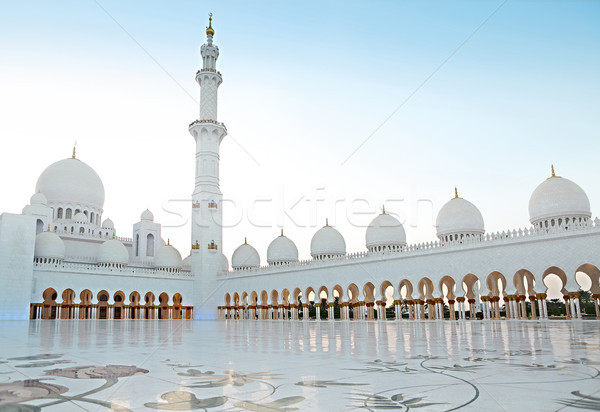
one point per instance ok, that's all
(484, 95)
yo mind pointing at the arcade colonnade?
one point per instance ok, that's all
(101, 305)
(521, 295)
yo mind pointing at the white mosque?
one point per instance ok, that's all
(60, 259)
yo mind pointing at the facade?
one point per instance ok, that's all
(61, 259)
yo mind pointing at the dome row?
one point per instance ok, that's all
(50, 246)
(556, 201)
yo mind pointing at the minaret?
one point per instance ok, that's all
(207, 233)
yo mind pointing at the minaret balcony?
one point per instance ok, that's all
(207, 121)
(209, 70)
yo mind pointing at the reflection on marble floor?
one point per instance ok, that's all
(286, 366)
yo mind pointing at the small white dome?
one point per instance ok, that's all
(385, 231)
(327, 242)
(459, 217)
(108, 224)
(38, 199)
(224, 263)
(187, 262)
(49, 245)
(245, 256)
(557, 197)
(282, 250)
(80, 218)
(71, 180)
(147, 216)
(167, 257)
(112, 252)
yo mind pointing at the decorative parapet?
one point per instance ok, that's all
(66, 233)
(504, 237)
(92, 268)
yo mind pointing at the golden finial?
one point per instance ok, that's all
(383, 210)
(245, 241)
(552, 167)
(48, 227)
(73, 156)
(326, 222)
(281, 232)
(113, 236)
(209, 29)
(455, 192)
(168, 242)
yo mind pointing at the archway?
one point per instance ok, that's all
(163, 306)
(275, 304)
(298, 304)
(470, 284)
(103, 305)
(119, 306)
(254, 305)
(496, 284)
(588, 278)
(67, 310)
(447, 288)
(134, 305)
(236, 305)
(85, 305)
(264, 305)
(386, 304)
(524, 282)
(426, 302)
(177, 309)
(339, 307)
(149, 308)
(369, 294)
(49, 309)
(405, 290)
(310, 310)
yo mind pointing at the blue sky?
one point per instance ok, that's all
(305, 83)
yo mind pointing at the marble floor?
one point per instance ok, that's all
(285, 366)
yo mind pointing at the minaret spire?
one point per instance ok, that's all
(207, 228)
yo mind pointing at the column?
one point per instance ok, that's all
(380, 310)
(596, 297)
(305, 311)
(451, 307)
(575, 300)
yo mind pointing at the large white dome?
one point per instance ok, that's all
(71, 180)
(557, 197)
(147, 215)
(167, 257)
(49, 245)
(244, 257)
(282, 250)
(385, 231)
(459, 217)
(327, 242)
(112, 252)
